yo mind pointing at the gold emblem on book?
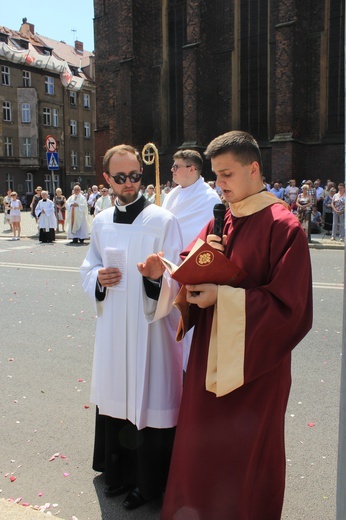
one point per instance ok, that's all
(204, 258)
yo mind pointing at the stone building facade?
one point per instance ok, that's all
(180, 72)
(46, 89)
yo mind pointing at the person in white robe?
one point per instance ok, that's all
(76, 216)
(137, 367)
(192, 201)
(46, 219)
(103, 202)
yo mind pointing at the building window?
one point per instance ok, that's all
(8, 142)
(86, 129)
(86, 103)
(74, 158)
(5, 75)
(26, 78)
(55, 117)
(73, 98)
(29, 181)
(26, 113)
(49, 85)
(47, 120)
(6, 111)
(87, 159)
(9, 182)
(48, 182)
(73, 127)
(26, 147)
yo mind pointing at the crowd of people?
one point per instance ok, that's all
(321, 206)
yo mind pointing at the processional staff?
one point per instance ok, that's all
(150, 155)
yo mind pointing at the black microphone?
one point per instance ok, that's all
(219, 215)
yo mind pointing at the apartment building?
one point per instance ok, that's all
(47, 93)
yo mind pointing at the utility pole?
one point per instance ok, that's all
(341, 482)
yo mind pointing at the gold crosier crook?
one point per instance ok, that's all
(150, 155)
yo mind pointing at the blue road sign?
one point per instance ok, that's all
(52, 160)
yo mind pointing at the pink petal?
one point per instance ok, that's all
(66, 474)
(311, 424)
(86, 406)
(12, 479)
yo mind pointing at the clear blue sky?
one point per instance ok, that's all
(66, 20)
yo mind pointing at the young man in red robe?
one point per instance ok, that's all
(228, 460)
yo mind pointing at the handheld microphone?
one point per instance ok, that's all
(219, 215)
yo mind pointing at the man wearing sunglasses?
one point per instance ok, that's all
(137, 369)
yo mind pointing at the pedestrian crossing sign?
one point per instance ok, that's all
(52, 160)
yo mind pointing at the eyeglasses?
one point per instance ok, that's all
(104, 191)
(120, 178)
(175, 167)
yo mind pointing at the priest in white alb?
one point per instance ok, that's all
(76, 218)
(137, 369)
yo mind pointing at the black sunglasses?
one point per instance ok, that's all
(120, 178)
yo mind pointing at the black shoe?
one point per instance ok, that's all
(81, 240)
(133, 500)
(111, 491)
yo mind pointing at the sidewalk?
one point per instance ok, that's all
(29, 230)
(12, 511)
(28, 227)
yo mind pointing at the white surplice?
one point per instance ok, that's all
(193, 206)
(137, 367)
(46, 220)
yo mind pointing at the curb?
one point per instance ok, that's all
(14, 511)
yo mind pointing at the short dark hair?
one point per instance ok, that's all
(191, 156)
(241, 144)
(120, 149)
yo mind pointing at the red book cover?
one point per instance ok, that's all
(204, 264)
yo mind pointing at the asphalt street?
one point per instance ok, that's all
(47, 421)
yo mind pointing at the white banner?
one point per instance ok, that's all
(34, 59)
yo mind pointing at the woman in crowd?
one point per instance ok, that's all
(328, 210)
(304, 203)
(338, 205)
(35, 200)
(60, 208)
(15, 216)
